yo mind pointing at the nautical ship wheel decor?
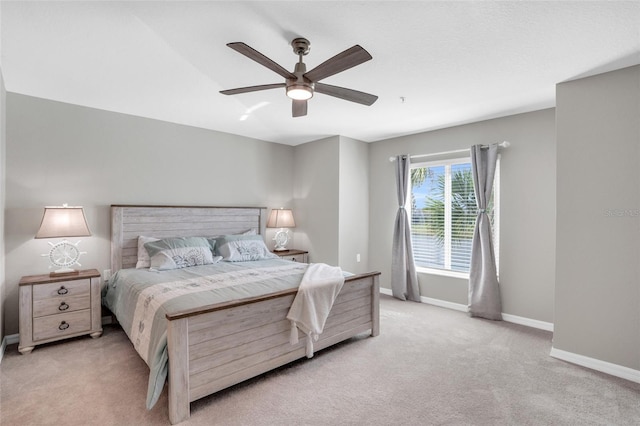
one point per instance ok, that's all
(281, 238)
(64, 255)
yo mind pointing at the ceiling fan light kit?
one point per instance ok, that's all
(299, 92)
(301, 85)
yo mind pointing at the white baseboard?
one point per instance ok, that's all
(444, 304)
(598, 365)
(8, 340)
(386, 291)
(542, 325)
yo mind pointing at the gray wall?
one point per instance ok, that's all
(353, 227)
(527, 213)
(316, 206)
(332, 201)
(598, 222)
(59, 153)
(3, 127)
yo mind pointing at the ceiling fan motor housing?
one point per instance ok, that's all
(301, 46)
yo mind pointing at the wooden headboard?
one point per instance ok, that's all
(129, 222)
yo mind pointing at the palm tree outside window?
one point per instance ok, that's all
(443, 214)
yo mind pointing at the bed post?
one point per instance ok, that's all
(178, 347)
(375, 306)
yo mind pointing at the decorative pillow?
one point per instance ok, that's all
(240, 248)
(212, 240)
(143, 254)
(248, 232)
(180, 252)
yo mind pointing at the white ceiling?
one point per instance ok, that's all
(452, 62)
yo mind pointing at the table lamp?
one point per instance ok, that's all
(281, 218)
(63, 222)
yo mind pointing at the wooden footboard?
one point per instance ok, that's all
(216, 347)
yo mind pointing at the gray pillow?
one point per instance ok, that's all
(240, 248)
(179, 252)
(213, 240)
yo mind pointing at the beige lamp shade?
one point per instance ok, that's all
(281, 218)
(63, 222)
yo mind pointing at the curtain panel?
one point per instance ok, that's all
(484, 289)
(404, 279)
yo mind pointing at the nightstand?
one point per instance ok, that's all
(294, 255)
(59, 307)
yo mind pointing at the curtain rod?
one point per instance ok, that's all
(504, 144)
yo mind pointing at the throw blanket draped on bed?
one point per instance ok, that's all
(318, 290)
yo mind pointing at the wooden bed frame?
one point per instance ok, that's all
(217, 346)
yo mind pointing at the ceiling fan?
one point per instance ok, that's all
(302, 84)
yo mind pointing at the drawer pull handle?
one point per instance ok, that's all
(62, 291)
(63, 325)
(63, 306)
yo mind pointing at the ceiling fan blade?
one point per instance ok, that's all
(299, 108)
(346, 94)
(251, 53)
(252, 88)
(342, 61)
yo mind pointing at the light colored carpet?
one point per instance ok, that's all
(429, 366)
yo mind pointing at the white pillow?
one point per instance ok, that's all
(144, 261)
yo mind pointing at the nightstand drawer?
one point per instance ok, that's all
(62, 289)
(295, 258)
(293, 255)
(61, 325)
(61, 304)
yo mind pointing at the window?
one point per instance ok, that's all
(443, 215)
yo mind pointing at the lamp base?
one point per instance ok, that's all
(281, 238)
(64, 273)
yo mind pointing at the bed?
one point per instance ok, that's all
(215, 344)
